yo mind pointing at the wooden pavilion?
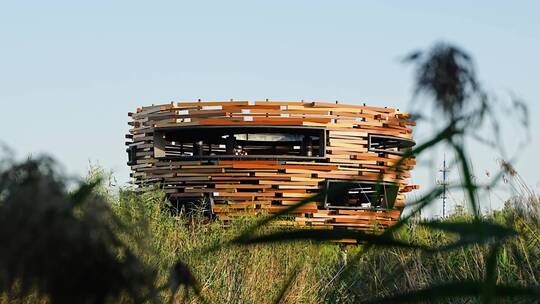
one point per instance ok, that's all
(246, 157)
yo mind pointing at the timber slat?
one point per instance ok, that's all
(246, 186)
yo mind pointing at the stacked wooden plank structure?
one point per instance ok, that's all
(247, 157)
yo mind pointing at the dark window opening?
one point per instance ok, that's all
(239, 142)
(360, 195)
(389, 144)
(132, 155)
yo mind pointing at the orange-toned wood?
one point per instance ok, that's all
(244, 186)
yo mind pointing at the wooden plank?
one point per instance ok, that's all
(246, 186)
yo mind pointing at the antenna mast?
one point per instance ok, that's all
(444, 184)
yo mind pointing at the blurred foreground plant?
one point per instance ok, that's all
(446, 74)
(71, 248)
(65, 245)
(62, 244)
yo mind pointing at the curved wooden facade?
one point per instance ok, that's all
(253, 156)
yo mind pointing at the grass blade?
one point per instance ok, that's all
(78, 196)
(328, 235)
(457, 290)
(471, 233)
(467, 178)
(285, 288)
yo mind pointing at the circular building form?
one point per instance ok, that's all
(248, 157)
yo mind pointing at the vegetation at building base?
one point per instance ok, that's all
(258, 273)
(88, 246)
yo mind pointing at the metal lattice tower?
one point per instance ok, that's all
(444, 183)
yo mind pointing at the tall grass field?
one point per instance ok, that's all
(304, 271)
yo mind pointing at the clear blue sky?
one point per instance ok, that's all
(70, 72)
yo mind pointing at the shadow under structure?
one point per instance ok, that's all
(249, 157)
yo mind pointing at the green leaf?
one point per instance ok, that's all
(418, 206)
(85, 189)
(319, 197)
(327, 235)
(180, 276)
(456, 290)
(491, 274)
(467, 178)
(283, 292)
(445, 134)
(471, 233)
